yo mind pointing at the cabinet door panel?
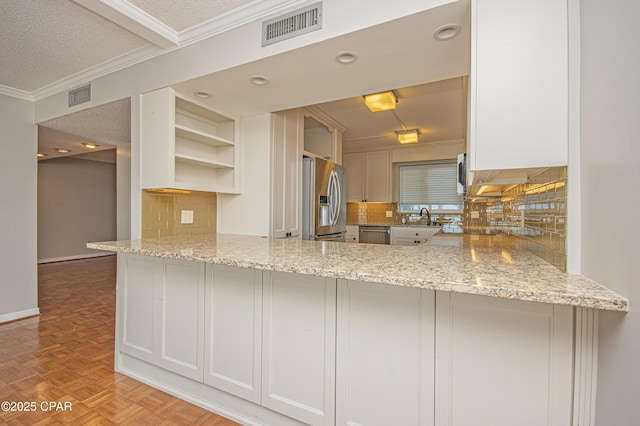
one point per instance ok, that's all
(136, 293)
(377, 176)
(385, 355)
(181, 329)
(298, 371)
(502, 362)
(233, 315)
(286, 176)
(519, 84)
(354, 164)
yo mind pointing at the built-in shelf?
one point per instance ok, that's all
(187, 144)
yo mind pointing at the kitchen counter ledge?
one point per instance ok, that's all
(489, 265)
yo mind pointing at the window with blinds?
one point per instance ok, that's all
(431, 185)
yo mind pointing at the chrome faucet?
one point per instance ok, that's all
(428, 215)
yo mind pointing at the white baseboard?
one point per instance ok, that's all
(76, 257)
(19, 315)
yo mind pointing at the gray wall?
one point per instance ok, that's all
(610, 172)
(18, 140)
(76, 204)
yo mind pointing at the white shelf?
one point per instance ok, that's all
(202, 137)
(203, 162)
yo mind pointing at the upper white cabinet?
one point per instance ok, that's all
(518, 84)
(187, 144)
(322, 135)
(286, 173)
(368, 176)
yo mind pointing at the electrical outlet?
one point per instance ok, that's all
(186, 217)
(389, 213)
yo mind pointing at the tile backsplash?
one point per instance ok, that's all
(376, 213)
(161, 213)
(536, 212)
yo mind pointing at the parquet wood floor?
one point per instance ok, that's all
(66, 356)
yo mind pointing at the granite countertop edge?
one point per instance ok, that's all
(353, 262)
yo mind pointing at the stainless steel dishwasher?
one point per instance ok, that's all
(375, 234)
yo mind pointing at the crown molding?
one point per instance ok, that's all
(86, 76)
(133, 19)
(250, 12)
(16, 93)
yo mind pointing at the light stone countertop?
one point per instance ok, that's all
(489, 265)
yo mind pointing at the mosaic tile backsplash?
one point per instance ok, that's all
(161, 213)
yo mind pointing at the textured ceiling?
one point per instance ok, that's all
(180, 15)
(107, 125)
(48, 46)
(44, 41)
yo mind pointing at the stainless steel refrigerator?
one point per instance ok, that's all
(324, 200)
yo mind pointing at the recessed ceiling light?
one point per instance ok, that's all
(202, 95)
(346, 57)
(41, 155)
(258, 80)
(90, 145)
(63, 150)
(446, 32)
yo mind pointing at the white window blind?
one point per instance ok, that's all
(429, 184)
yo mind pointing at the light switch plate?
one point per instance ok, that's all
(475, 215)
(389, 213)
(186, 216)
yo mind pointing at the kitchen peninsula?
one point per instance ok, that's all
(285, 331)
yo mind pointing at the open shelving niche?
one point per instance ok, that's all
(205, 151)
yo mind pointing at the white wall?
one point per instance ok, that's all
(18, 171)
(76, 204)
(610, 172)
(248, 212)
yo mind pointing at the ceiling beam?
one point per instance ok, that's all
(133, 19)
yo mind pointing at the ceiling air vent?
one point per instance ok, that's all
(292, 24)
(81, 95)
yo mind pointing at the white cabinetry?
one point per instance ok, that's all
(368, 176)
(502, 362)
(299, 326)
(412, 235)
(233, 322)
(187, 144)
(353, 234)
(385, 355)
(518, 84)
(286, 173)
(163, 312)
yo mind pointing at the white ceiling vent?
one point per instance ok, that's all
(81, 95)
(292, 24)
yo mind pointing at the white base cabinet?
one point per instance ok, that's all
(385, 355)
(502, 362)
(299, 326)
(275, 348)
(233, 324)
(162, 315)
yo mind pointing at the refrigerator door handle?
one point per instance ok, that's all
(338, 201)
